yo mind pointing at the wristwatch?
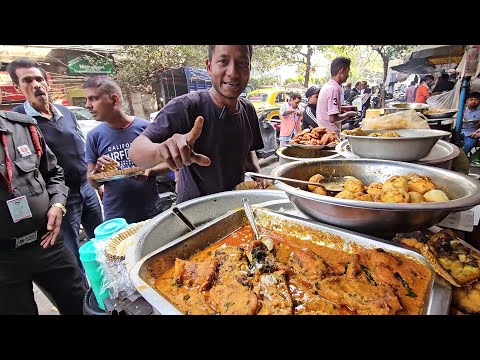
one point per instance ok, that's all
(61, 206)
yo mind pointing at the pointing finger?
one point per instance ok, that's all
(194, 134)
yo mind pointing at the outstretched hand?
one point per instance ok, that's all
(178, 150)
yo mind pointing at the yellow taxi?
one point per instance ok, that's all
(268, 100)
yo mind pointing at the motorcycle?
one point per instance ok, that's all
(269, 131)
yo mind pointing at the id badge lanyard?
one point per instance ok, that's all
(8, 163)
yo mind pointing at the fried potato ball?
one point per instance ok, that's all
(376, 191)
(363, 197)
(395, 195)
(320, 190)
(415, 197)
(421, 184)
(396, 182)
(315, 178)
(354, 185)
(345, 194)
(435, 196)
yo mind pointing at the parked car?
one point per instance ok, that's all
(86, 121)
(264, 99)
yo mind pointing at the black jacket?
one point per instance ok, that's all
(309, 119)
(38, 178)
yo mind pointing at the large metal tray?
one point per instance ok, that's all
(438, 296)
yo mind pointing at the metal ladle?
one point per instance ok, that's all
(334, 184)
(268, 242)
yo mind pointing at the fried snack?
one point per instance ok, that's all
(354, 185)
(315, 178)
(320, 190)
(376, 191)
(363, 197)
(315, 136)
(385, 134)
(110, 173)
(355, 132)
(452, 259)
(395, 195)
(435, 196)
(345, 194)
(415, 197)
(396, 182)
(467, 299)
(420, 184)
(415, 239)
(112, 165)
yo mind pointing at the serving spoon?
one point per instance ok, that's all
(334, 184)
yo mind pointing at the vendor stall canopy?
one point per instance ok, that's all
(427, 59)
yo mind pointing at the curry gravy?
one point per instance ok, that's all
(319, 279)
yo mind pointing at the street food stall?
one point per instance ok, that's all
(358, 224)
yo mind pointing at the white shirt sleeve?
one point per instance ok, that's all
(283, 108)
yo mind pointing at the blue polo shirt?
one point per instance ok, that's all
(470, 128)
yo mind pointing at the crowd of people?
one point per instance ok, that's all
(208, 138)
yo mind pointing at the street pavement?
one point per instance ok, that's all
(45, 307)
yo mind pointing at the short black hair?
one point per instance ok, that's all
(339, 63)
(25, 63)
(211, 50)
(103, 83)
(426, 77)
(295, 95)
(474, 94)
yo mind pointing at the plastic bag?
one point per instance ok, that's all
(408, 119)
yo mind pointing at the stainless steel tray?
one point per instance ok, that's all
(439, 296)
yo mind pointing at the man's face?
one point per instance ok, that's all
(99, 104)
(472, 103)
(33, 85)
(313, 99)
(295, 102)
(229, 69)
(429, 81)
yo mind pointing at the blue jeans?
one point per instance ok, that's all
(468, 143)
(83, 207)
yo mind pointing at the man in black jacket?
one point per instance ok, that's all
(309, 120)
(63, 135)
(32, 199)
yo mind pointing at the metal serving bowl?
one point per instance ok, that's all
(446, 113)
(409, 106)
(412, 145)
(376, 217)
(289, 153)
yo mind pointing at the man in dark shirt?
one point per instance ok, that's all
(64, 137)
(32, 198)
(209, 136)
(309, 120)
(443, 84)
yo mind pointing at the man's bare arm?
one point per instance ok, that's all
(144, 154)
(340, 117)
(252, 162)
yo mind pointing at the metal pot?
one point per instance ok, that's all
(377, 217)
